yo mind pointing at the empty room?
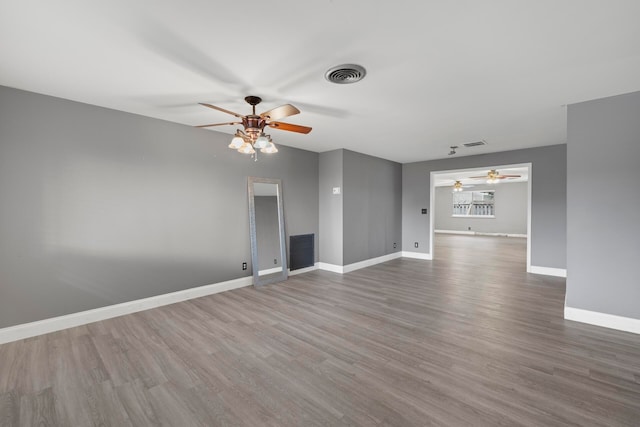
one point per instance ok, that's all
(328, 213)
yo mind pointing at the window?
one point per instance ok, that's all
(474, 203)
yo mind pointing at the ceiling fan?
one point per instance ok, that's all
(493, 177)
(253, 137)
(459, 186)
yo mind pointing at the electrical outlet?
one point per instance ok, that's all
(415, 244)
(395, 245)
(275, 261)
(424, 211)
(244, 265)
(469, 228)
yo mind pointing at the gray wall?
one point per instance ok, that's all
(510, 201)
(99, 207)
(548, 198)
(267, 232)
(372, 197)
(603, 235)
(330, 216)
(365, 220)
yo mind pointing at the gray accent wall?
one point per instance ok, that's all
(548, 194)
(99, 207)
(372, 207)
(365, 219)
(603, 235)
(330, 217)
(510, 202)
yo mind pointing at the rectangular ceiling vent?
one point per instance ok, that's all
(475, 144)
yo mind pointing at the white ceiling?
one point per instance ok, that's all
(440, 73)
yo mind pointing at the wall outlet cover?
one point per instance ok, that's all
(336, 190)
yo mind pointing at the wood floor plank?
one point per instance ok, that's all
(9, 409)
(460, 340)
(38, 409)
(133, 397)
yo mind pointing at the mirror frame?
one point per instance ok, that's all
(257, 280)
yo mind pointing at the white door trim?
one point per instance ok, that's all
(432, 201)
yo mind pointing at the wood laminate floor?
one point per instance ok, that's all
(467, 339)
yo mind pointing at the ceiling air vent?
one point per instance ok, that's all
(475, 144)
(347, 73)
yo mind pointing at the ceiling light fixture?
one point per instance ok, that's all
(457, 186)
(453, 150)
(250, 141)
(253, 138)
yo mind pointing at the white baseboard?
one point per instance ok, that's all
(303, 270)
(369, 262)
(611, 321)
(480, 233)
(331, 267)
(455, 232)
(342, 269)
(548, 271)
(416, 255)
(270, 271)
(26, 330)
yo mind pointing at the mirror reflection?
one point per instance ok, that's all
(267, 231)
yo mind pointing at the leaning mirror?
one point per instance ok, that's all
(266, 224)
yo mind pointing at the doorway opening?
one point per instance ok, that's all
(480, 205)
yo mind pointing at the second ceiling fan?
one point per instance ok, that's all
(494, 177)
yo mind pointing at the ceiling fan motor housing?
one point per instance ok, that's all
(253, 125)
(253, 100)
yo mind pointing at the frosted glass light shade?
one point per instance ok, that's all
(236, 142)
(246, 148)
(261, 142)
(269, 149)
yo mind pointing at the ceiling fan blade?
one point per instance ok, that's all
(280, 112)
(289, 127)
(222, 109)
(478, 177)
(509, 176)
(219, 124)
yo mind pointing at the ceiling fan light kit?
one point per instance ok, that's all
(457, 186)
(253, 138)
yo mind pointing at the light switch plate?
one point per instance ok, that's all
(336, 190)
